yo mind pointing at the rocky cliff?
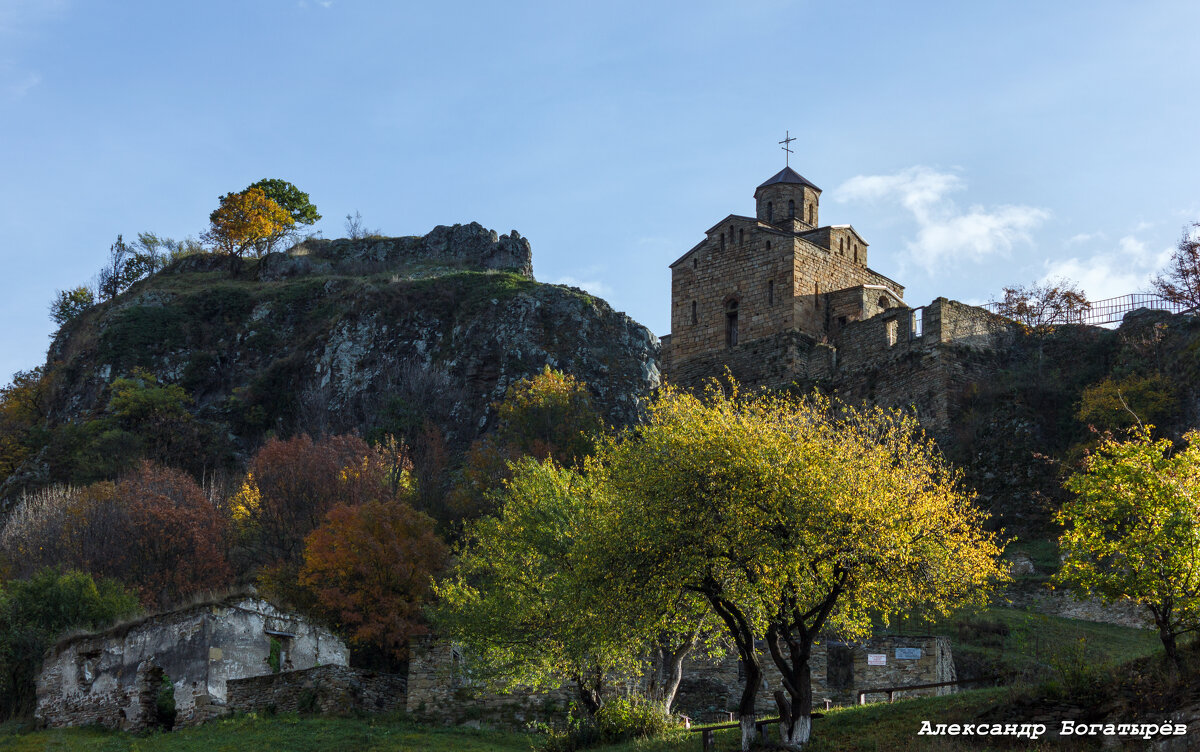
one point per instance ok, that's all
(349, 335)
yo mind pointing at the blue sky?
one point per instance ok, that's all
(973, 145)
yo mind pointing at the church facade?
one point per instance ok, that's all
(778, 298)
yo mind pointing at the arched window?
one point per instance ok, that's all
(811, 210)
(770, 292)
(722, 241)
(770, 213)
(856, 253)
(840, 241)
(791, 209)
(694, 317)
(741, 235)
(731, 323)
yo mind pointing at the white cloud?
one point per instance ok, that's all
(945, 233)
(1108, 273)
(595, 287)
(1085, 237)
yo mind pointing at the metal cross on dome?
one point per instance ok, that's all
(787, 140)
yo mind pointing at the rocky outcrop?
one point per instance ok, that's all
(469, 246)
(347, 334)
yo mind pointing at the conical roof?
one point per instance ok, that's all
(788, 175)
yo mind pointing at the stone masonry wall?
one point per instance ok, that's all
(711, 687)
(781, 288)
(470, 246)
(105, 678)
(440, 688)
(336, 690)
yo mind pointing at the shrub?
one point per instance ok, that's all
(618, 720)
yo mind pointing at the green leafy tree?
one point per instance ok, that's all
(68, 304)
(293, 200)
(1133, 530)
(791, 519)
(22, 407)
(1116, 404)
(35, 612)
(532, 609)
(548, 415)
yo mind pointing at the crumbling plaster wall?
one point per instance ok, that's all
(104, 678)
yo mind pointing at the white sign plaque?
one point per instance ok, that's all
(876, 659)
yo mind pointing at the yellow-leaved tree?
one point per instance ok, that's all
(792, 518)
(247, 221)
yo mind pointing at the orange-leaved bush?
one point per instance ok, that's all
(370, 567)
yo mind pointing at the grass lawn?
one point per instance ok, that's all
(872, 728)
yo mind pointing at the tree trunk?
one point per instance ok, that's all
(746, 706)
(1168, 640)
(795, 713)
(674, 675)
(589, 692)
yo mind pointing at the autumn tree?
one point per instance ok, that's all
(1040, 307)
(1180, 282)
(791, 519)
(175, 541)
(532, 609)
(247, 221)
(1133, 530)
(548, 415)
(293, 484)
(370, 567)
(154, 530)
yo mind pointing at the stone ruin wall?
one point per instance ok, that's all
(712, 687)
(331, 690)
(469, 246)
(440, 689)
(112, 678)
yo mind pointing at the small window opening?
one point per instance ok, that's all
(841, 321)
(694, 318)
(731, 323)
(856, 253)
(693, 262)
(840, 241)
(768, 245)
(883, 301)
(722, 241)
(741, 235)
(791, 209)
(770, 292)
(811, 209)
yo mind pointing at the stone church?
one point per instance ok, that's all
(778, 298)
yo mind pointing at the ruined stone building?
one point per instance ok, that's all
(112, 678)
(778, 298)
